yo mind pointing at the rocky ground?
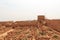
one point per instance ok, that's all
(30, 33)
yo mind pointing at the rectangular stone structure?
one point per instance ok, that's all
(41, 17)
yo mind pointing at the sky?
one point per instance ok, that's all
(29, 9)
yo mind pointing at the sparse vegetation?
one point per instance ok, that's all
(55, 36)
(42, 33)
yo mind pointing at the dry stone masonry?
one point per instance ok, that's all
(40, 29)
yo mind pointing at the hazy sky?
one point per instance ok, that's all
(29, 9)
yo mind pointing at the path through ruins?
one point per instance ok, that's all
(4, 34)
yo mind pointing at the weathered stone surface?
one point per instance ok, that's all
(40, 29)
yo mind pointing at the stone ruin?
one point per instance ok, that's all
(41, 23)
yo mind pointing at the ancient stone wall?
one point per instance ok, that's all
(55, 24)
